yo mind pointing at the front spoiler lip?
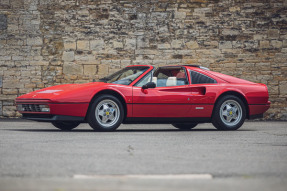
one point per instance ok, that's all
(56, 118)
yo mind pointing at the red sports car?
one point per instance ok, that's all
(183, 96)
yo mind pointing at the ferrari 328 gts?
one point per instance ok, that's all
(183, 96)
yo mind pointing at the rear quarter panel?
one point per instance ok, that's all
(253, 93)
(256, 96)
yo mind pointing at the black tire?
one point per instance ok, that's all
(185, 126)
(65, 125)
(114, 113)
(229, 113)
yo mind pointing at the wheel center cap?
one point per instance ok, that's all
(107, 113)
(230, 113)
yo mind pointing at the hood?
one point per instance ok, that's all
(62, 91)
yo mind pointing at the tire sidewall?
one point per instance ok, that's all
(216, 119)
(65, 126)
(92, 117)
(184, 126)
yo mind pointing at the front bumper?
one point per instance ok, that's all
(33, 107)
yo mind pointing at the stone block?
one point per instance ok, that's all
(125, 63)
(3, 22)
(83, 45)
(68, 56)
(211, 44)
(5, 58)
(1, 110)
(142, 42)
(10, 91)
(103, 70)
(176, 44)
(251, 44)
(90, 70)
(30, 85)
(97, 44)
(192, 45)
(84, 57)
(283, 87)
(234, 9)
(146, 51)
(7, 97)
(163, 46)
(273, 90)
(71, 68)
(16, 4)
(159, 15)
(179, 15)
(70, 45)
(264, 44)
(273, 33)
(9, 111)
(117, 44)
(35, 41)
(231, 32)
(225, 44)
(25, 90)
(263, 66)
(11, 83)
(276, 44)
(39, 63)
(130, 44)
(259, 37)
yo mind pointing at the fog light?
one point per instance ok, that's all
(44, 108)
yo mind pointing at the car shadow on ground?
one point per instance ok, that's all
(123, 130)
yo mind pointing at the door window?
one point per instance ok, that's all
(170, 76)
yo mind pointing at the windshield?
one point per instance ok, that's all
(125, 76)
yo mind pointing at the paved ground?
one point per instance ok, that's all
(37, 156)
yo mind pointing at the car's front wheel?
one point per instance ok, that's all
(65, 125)
(229, 113)
(106, 113)
(184, 126)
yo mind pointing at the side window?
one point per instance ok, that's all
(198, 78)
(170, 76)
(145, 79)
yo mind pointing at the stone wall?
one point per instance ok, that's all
(49, 42)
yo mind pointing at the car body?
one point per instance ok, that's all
(182, 95)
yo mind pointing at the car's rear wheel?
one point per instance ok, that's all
(229, 113)
(65, 125)
(184, 126)
(106, 113)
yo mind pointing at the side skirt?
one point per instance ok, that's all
(164, 120)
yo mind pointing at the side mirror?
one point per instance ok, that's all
(149, 85)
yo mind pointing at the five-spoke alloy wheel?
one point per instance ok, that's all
(229, 113)
(106, 113)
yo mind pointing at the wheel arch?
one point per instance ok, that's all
(109, 92)
(237, 94)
